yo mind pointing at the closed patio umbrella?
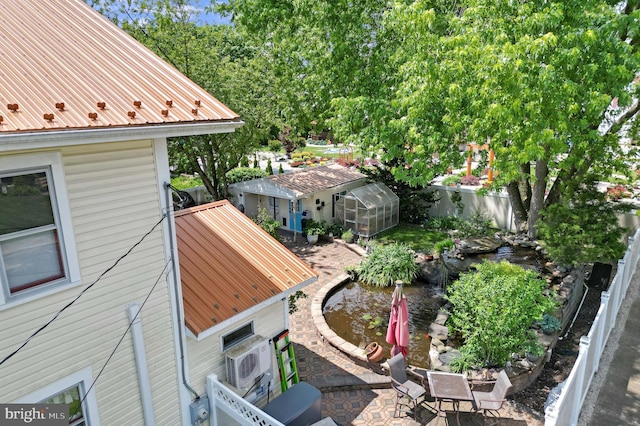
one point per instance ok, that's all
(398, 330)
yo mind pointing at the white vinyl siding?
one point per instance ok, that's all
(206, 356)
(114, 200)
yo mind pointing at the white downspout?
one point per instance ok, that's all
(133, 310)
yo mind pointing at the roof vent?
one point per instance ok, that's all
(48, 117)
(194, 111)
(197, 102)
(137, 104)
(165, 112)
(169, 103)
(102, 105)
(131, 114)
(93, 115)
(60, 106)
(1, 119)
(12, 107)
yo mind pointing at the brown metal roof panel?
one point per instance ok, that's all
(229, 264)
(64, 51)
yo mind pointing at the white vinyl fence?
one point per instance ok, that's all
(566, 410)
(228, 408)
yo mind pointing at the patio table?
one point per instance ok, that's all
(449, 387)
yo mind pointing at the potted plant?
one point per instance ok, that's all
(347, 236)
(313, 232)
(549, 324)
(533, 350)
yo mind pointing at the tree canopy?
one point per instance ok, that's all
(415, 81)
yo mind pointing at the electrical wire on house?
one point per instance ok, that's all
(121, 338)
(35, 333)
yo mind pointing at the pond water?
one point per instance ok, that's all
(360, 314)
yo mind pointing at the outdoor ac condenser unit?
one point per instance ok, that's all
(248, 361)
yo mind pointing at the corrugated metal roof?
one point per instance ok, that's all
(229, 264)
(65, 66)
(314, 179)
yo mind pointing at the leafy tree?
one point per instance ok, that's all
(415, 81)
(220, 59)
(280, 169)
(586, 213)
(494, 308)
(269, 168)
(289, 140)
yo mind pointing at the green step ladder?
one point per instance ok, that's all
(286, 360)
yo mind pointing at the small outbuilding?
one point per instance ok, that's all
(368, 210)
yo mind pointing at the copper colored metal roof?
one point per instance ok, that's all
(229, 264)
(314, 179)
(65, 66)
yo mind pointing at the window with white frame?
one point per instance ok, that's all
(74, 390)
(34, 253)
(71, 396)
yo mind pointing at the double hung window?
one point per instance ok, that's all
(30, 247)
(36, 249)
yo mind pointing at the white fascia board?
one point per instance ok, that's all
(266, 188)
(48, 139)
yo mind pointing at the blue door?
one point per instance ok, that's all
(295, 218)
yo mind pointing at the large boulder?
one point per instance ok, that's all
(478, 245)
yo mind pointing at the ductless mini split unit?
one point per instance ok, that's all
(247, 362)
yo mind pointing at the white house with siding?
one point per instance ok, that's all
(90, 303)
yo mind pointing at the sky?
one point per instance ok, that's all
(208, 18)
(198, 7)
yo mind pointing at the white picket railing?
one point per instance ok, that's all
(567, 408)
(227, 407)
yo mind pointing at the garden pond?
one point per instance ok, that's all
(360, 314)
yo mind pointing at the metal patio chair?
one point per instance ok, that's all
(405, 388)
(491, 402)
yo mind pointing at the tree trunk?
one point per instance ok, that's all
(519, 211)
(524, 185)
(537, 198)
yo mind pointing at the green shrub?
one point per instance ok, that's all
(493, 309)
(477, 225)
(347, 235)
(269, 168)
(336, 229)
(183, 182)
(443, 245)
(266, 222)
(386, 264)
(451, 180)
(241, 174)
(465, 362)
(444, 223)
(274, 145)
(312, 227)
